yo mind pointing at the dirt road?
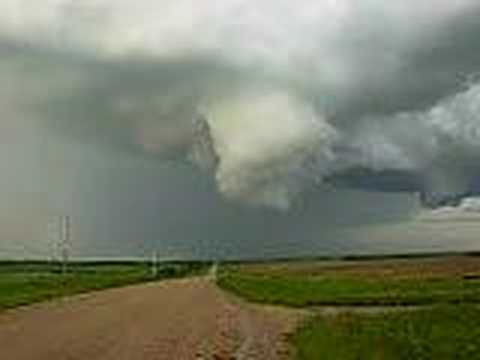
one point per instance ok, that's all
(178, 319)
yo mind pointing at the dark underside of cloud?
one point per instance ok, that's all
(403, 181)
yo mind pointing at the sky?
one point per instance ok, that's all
(241, 128)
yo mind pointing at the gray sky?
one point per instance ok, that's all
(100, 97)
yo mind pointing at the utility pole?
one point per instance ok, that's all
(154, 263)
(52, 235)
(66, 230)
(59, 230)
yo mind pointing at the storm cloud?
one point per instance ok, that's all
(268, 102)
(293, 93)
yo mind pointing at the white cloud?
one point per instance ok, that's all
(268, 162)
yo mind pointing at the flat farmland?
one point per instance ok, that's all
(387, 309)
(23, 283)
(358, 283)
(395, 268)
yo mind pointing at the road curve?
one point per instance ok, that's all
(174, 319)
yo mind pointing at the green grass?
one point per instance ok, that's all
(301, 291)
(440, 333)
(446, 329)
(26, 283)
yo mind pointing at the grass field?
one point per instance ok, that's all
(414, 282)
(448, 328)
(23, 283)
(440, 333)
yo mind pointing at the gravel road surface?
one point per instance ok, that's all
(174, 319)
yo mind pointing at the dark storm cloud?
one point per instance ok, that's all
(345, 86)
(438, 68)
